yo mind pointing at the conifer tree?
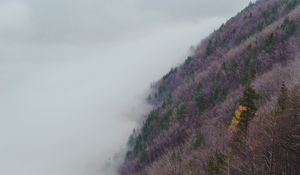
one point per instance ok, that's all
(282, 99)
(247, 101)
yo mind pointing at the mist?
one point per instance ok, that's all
(74, 75)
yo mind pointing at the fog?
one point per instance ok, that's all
(74, 75)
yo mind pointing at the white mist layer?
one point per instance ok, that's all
(67, 107)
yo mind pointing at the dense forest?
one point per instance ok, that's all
(233, 106)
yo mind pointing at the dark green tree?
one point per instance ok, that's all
(282, 99)
(247, 101)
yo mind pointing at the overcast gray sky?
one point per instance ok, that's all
(74, 73)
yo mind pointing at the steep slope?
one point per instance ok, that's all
(191, 130)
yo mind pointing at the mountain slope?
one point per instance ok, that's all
(191, 130)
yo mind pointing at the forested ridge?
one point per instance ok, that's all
(233, 106)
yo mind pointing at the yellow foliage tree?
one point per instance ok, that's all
(237, 116)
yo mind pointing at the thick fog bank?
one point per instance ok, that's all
(74, 75)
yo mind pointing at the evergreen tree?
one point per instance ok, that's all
(282, 99)
(247, 101)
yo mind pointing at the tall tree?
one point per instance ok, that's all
(282, 99)
(247, 101)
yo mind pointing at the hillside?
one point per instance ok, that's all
(233, 106)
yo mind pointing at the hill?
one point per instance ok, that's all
(233, 106)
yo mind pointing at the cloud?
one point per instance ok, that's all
(193, 9)
(15, 21)
(74, 75)
(75, 21)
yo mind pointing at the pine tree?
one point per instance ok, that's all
(247, 101)
(282, 99)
